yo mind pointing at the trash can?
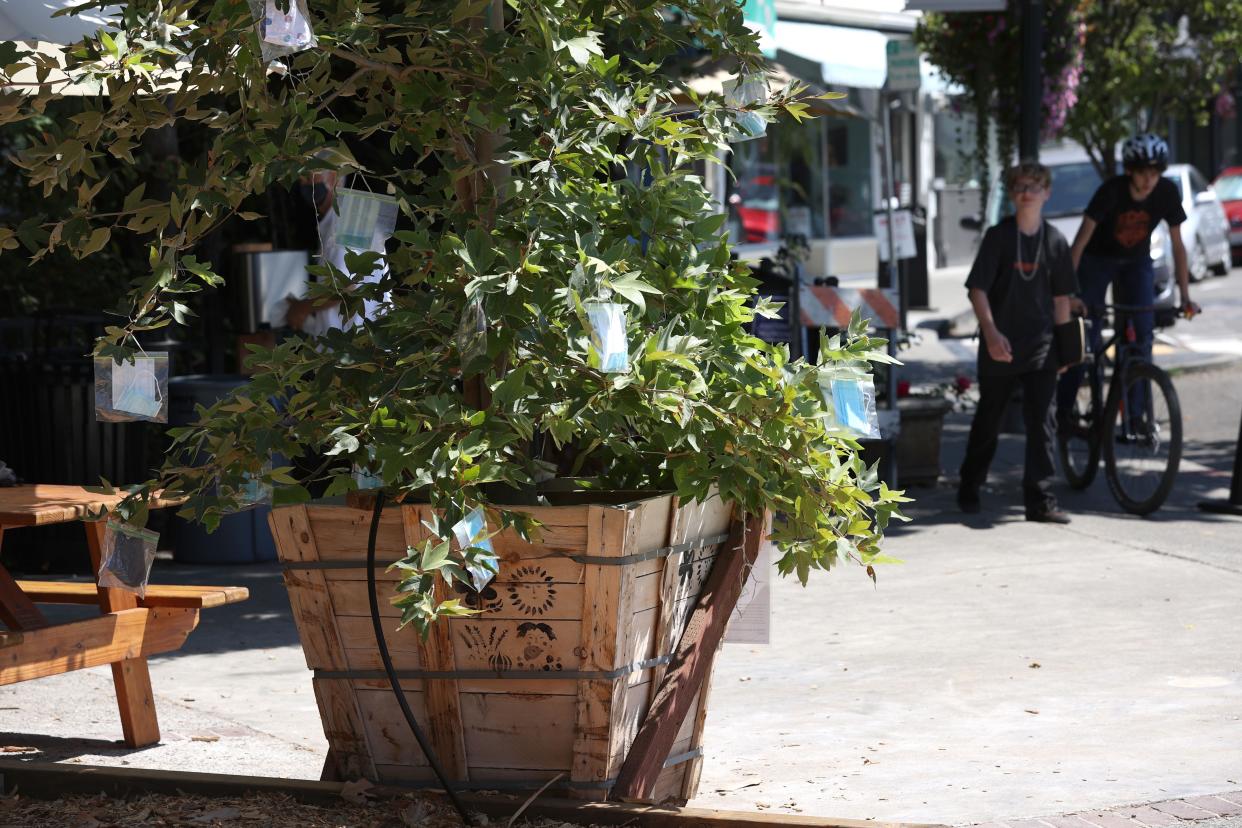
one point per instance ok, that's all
(241, 538)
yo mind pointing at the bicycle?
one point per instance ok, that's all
(1141, 448)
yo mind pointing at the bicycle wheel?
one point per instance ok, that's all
(1143, 441)
(1077, 439)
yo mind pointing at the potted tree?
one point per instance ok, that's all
(544, 361)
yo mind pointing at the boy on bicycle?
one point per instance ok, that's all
(1113, 246)
(1019, 286)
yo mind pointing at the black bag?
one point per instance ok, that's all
(1070, 340)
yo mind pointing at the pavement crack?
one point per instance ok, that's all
(1138, 547)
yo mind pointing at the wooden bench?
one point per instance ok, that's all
(125, 633)
(157, 595)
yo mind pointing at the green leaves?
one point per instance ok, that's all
(536, 169)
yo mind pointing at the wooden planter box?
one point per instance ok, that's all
(554, 677)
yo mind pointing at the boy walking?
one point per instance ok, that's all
(1019, 286)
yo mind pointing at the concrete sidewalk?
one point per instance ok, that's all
(1005, 671)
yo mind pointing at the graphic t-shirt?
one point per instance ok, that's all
(1125, 225)
(1020, 274)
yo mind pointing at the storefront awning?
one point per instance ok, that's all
(32, 20)
(846, 56)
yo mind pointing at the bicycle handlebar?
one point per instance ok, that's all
(1179, 311)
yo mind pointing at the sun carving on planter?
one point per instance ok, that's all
(533, 593)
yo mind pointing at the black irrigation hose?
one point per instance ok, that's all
(393, 681)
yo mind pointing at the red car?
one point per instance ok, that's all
(1228, 187)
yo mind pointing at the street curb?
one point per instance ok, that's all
(1210, 362)
(54, 781)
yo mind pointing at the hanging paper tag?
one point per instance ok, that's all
(469, 532)
(608, 336)
(366, 220)
(290, 29)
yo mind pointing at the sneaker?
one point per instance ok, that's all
(968, 501)
(1049, 514)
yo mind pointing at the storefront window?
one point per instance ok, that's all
(850, 202)
(775, 185)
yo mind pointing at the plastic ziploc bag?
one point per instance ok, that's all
(745, 92)
(472, 333)
(127, 555)
(365, 477)
(469, 531)
(849, 395)
(129, 391)
(608, 336)
(365, 220)
(252, 491)
(282, 32)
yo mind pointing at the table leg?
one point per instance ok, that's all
(131, 676)
(16, 610)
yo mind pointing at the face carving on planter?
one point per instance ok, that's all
(533, 593)
(536, 639)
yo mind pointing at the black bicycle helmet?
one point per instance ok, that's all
(1146, 150)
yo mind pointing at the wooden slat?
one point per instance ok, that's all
(308, 592)
(599, 610)
(321, 640)
(41, 504)
(124, 636)
(17, 611)
(436, 653)
(157, 595)
(341, 534)
(561, 603)
(130, 675)
(500, 730)
(343, 728)
(691, 661)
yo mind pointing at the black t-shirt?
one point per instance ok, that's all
(1125, 225)
(1020, 287)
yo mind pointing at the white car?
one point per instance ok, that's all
(1206, 231)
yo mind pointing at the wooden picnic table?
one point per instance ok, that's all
(128, 629)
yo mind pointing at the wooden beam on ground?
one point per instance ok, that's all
(128, 635)
(688, 671)
(45, 780)
(130, 676)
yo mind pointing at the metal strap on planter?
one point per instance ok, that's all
(662, 552)
(337, 563)
(594, 560)
(683, 757)
(546, 675)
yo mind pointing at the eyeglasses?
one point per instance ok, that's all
(1019, 189)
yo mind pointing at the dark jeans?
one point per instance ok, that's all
(1134, 283)
(1038, 388)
